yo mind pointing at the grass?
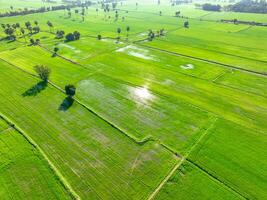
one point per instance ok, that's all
(191, 183)
(228, 149)
(21, 4)
(24, 172)
(86, 150)
(139, 109)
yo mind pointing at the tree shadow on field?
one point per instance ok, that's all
(66, 104)
(36, 89)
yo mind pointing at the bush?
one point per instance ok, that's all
(70, 90)
(70, 37)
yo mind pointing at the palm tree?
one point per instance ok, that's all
(127, 30)
(50, 25)
(3, 26)
(23, 33)
(119, 31)
(76, 13)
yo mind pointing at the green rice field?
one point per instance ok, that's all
(182, 115)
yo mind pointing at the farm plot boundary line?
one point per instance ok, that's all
(7, 129)
(204, 60)
(185, 158)
(216, 179)
(121, 130)
(170, 52)
(188, 104)
(57, 173)
(197, 18)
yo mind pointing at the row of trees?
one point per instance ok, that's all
(13, 30)
(27, 11)
(119, 30)
(249, 6)
(211, 7)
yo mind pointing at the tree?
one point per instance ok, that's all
(36, 23)
(3, 26)
(30, 29)
(69, 37)
(32, 41)
(56, 49)
(127, 30)
(161, 32)
(36, 29)
(99, 37)
(43, 72)
(10, 33)
(37, 41)
(177, 13)
(70, 90)
(119, 32)
(77, 35)
(186, 24)
(27, 24)
(50, 25)
(211, 7)
(60, 34)
(151, 35)
(23, 33)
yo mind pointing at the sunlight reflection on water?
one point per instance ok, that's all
(141, 94)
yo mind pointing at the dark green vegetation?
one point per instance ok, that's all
(141, 105)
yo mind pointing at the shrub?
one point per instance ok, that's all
(70, 90)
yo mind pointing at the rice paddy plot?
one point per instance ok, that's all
(24, 173)
(96, 159)
(236, 155)
(189, 182)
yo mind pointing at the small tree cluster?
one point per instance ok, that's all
(151, 35)
(60, 34)
(73, 36)
(34, 42)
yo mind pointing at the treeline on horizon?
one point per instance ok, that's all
(248, 6)
(26, 11)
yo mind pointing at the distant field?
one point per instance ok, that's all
(21, 4)
(180, 117)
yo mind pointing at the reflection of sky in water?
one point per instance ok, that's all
(141, 94)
